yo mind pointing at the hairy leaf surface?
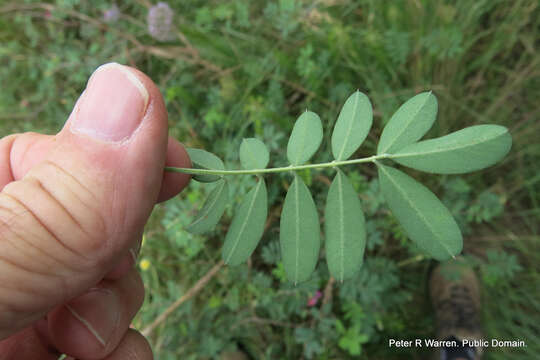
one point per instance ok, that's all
(253, 154)
(305, 138)
(344, 228)
(212, 210)
(247, 226)
(202, 159)
(409, 123)
(299, 233)
(425, 219)
(352, 126)
(466, 150)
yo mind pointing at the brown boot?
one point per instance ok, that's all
(233, 355)
(455, 294)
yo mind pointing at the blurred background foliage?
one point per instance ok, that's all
(240, 68)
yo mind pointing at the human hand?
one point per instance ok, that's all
(72, 211)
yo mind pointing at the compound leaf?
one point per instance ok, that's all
(306, 137)
(202, 159)
(212, 210)
(466, 150)
(253, 154)
(247, 226)
(409, 123)
(425, 219)
(299, 232)
(345, 229)
(352, 126)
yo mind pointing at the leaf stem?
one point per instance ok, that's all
(334, 163)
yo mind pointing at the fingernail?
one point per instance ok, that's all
(99, 312)
(112, 105)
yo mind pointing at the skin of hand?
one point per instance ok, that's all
(72, 212)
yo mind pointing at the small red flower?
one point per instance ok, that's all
(314, 299)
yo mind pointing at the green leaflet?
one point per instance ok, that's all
(305, 138)
(345, 229)
(247, 226)
(253, 154)
(425, 219)
(409, 123)
(299, 232)
(212, 210)
(469, 149)
(202, 159)
(352, 126)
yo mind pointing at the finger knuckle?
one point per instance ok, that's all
(52, 203)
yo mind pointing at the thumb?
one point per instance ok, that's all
(69, 219)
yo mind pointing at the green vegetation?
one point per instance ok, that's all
(239, 69)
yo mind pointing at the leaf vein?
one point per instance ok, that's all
(390, 143)
(299, 153)
(351, 122)
(297, 229)
(244, 224)
(420, 215)
(435, 151)
(342, 226)
(216, 198)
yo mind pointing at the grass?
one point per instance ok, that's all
(248, 69)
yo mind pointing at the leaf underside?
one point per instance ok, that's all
(425, 219)
(305, 139)
(409, 123)
(202, 159)
(247, 226)
(212, 210)
(352, 126)
(344, 228)
(299, 232)
(466, 150)
(253, 154)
